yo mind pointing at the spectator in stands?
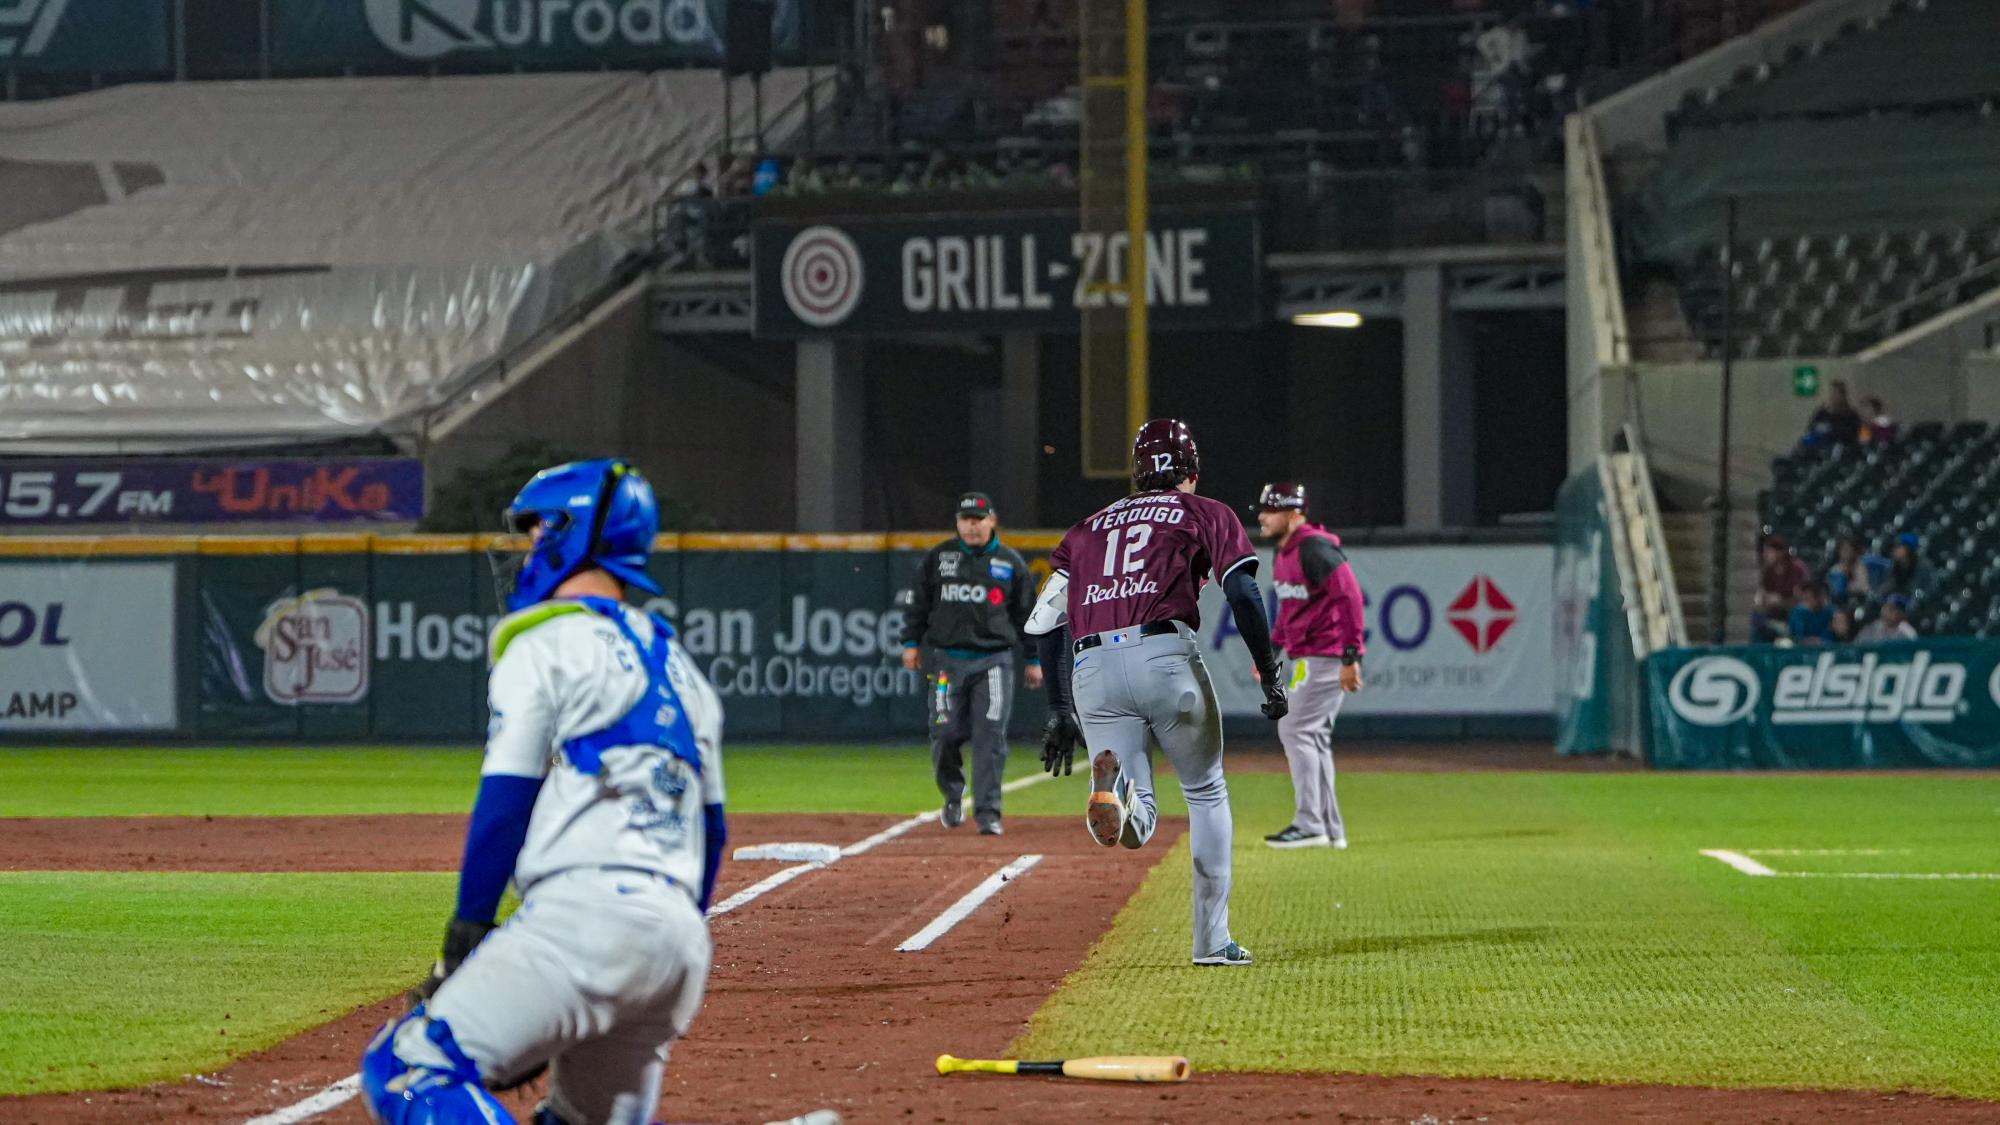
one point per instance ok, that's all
(1835, 422)
(1811, 621)
(1877, 428)
(1843, 626)
(1848, 576)
(1893, 624)
(1777, 589)
(804, 178)
(1909, 575)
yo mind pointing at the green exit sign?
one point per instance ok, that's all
(1805, 381)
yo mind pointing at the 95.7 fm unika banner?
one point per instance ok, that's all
(87, 647)
(998, 273)
(54, 493)
(1924, 703)
(1451, 630)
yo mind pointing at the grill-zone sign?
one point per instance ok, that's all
(999, 273)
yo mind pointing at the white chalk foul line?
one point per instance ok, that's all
(1739, 861)
(1826, 851)
(329, 1098)
(958, 911)
(1750, 866)
(344, 1090)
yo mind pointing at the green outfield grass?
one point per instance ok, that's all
(282, 781)
(1532, 925)
(117, 979)
(1566, 927)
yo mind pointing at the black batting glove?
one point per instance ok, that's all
(1059, 739)
(460, 939)
(1275, 704)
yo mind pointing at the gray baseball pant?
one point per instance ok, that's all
(971, 701)
(1306, 732)
(1132, 692)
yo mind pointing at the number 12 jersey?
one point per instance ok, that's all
(1144, 559)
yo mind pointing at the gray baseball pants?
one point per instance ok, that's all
(1133, 692)
(971, 701)
(1306, 732)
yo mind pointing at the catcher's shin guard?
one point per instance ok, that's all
(430, 1081)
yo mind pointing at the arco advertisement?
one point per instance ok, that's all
(1452, 630)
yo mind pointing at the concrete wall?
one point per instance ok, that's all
(686, 418)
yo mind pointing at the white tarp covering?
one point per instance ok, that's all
(221, 263)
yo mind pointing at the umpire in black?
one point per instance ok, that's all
(967, 603)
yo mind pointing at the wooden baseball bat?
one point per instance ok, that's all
(1104, 1068)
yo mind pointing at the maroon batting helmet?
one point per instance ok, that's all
(1282, 496)
(1163, 455)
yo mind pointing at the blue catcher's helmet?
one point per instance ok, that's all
(592, 513)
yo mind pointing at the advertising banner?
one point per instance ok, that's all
(970, 272)
(1919, 703)
(799, 644)
(55, 493)
(511, 34)
(129, 37)
(1452, 630)
(87, 646)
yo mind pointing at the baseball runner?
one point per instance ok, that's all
(1319, 627)
(601, 797)
(969, 598)
(1125, 586)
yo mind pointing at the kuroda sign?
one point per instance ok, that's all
(1935, 702)
(508, 34)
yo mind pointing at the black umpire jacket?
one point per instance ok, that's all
(969, 602)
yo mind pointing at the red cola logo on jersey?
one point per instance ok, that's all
(1130, 586)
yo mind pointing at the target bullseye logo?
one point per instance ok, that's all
(821, 276)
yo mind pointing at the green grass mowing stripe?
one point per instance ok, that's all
(1485, 925)
(318, 781)
(121, 979)
(1921, 957)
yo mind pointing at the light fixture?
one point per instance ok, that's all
(1339, 318)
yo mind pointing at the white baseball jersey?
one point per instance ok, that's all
(574, 673)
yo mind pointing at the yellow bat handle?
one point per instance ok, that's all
(949, 1064)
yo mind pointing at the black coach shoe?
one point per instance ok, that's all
(953, 814)
(1293, 837)
(990, 826)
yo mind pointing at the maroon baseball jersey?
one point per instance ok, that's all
(1319, 603)
(1144, 559)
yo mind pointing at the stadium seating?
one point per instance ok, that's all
(1862, 169)
(1936, 481)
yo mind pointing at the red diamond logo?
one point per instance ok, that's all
(1481, 614)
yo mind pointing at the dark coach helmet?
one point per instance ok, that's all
(1163, 455)
(1282, 496)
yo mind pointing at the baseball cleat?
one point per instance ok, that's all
(1295, 837)
(954, 813)
(1231, 954)
(990, 826)
(1339, 842)
(1106, 813)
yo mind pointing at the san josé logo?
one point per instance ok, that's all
(431, 29)
(1714, 691)
(315, 648)
(821, 276)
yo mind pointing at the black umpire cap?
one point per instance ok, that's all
(1282, 496)
(975, 506)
